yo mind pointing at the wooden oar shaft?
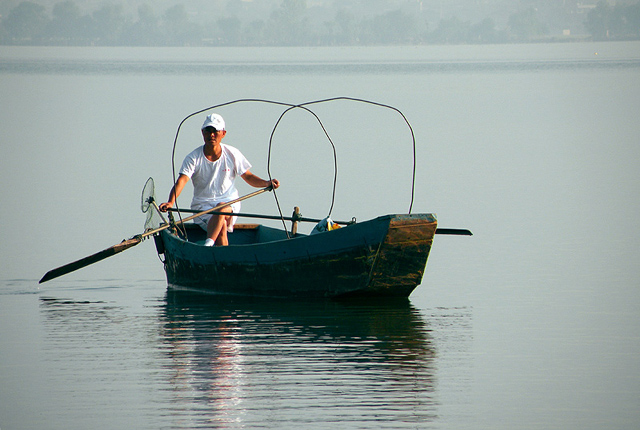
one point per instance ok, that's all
(208, 211)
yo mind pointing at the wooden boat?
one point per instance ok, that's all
(384, 257)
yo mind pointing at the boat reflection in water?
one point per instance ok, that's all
(297, 364)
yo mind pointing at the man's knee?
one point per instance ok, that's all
(224, 209)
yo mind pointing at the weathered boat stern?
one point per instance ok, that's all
(401, 258)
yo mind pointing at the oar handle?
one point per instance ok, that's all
(208, 211)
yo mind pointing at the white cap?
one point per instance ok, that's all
(214, 120)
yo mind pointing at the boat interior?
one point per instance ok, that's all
(243, 234)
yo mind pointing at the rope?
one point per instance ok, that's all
(304, 107)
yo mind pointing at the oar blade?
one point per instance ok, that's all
(94, 258)
(454, 231)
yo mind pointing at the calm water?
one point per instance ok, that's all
(531, 323)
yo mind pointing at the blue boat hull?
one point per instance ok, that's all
(385, 256)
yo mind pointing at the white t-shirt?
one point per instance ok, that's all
(213, 182)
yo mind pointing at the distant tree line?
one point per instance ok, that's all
(619, 22)
(29, 23)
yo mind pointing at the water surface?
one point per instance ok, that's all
(531, 323)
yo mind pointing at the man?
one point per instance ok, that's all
(213, 168)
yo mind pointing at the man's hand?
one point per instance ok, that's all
(165, 206)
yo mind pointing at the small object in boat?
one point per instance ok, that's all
(325, 224)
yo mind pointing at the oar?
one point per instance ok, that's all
(276, 217)
(449, 231)
(98, 256)
(126, 244)
(454, 231)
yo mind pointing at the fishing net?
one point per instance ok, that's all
(148, 205)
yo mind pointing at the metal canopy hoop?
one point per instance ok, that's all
(289, 107)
